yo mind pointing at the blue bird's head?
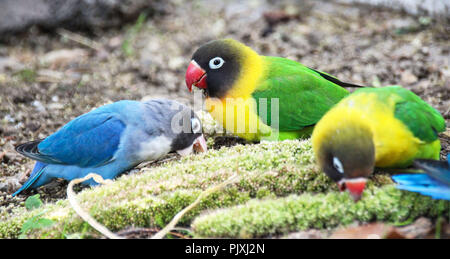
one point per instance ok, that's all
(179, 124)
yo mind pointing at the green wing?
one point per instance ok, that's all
(304, 95)
(423, 120)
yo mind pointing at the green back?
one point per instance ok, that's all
(305, 95)
(423, 120)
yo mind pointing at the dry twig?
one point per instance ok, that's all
(180, 214)
(80, 39)
(71, 196)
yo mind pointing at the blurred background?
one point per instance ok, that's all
(60, 59)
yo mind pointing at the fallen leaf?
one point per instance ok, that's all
(420, 228)
(62, 57)
(370, 231)
(275, 17)
(408, 78)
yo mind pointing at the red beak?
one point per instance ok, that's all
(200, 144)
(195, 75)
(354, 186)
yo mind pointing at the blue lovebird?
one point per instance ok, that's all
(112, 139)
(435, 182)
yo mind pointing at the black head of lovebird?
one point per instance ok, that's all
(347, 156)
(186, 132)
(215, 66)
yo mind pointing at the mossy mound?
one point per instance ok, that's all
(279, 189)
(259, 218)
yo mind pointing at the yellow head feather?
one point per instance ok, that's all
(251, 71)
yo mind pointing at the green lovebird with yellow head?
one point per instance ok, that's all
(386, 127)
(260, 97)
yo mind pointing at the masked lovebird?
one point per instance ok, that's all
(385, 127)
(435, 182)
(261, 97)
(112, 139)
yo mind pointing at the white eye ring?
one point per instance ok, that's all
(196, 125)
(338, 165)
(213, 61)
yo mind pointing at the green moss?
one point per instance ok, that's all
(154, 195)
(278, 182)
(258, 218)
(26, 75)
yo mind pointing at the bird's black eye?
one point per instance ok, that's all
(216, 63)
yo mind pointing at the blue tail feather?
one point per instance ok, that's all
(412, 179)
(436, 192)
(434, 182)
(37, 171)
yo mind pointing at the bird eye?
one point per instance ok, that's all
(216, 63)
(196, 125)
(338, 165)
